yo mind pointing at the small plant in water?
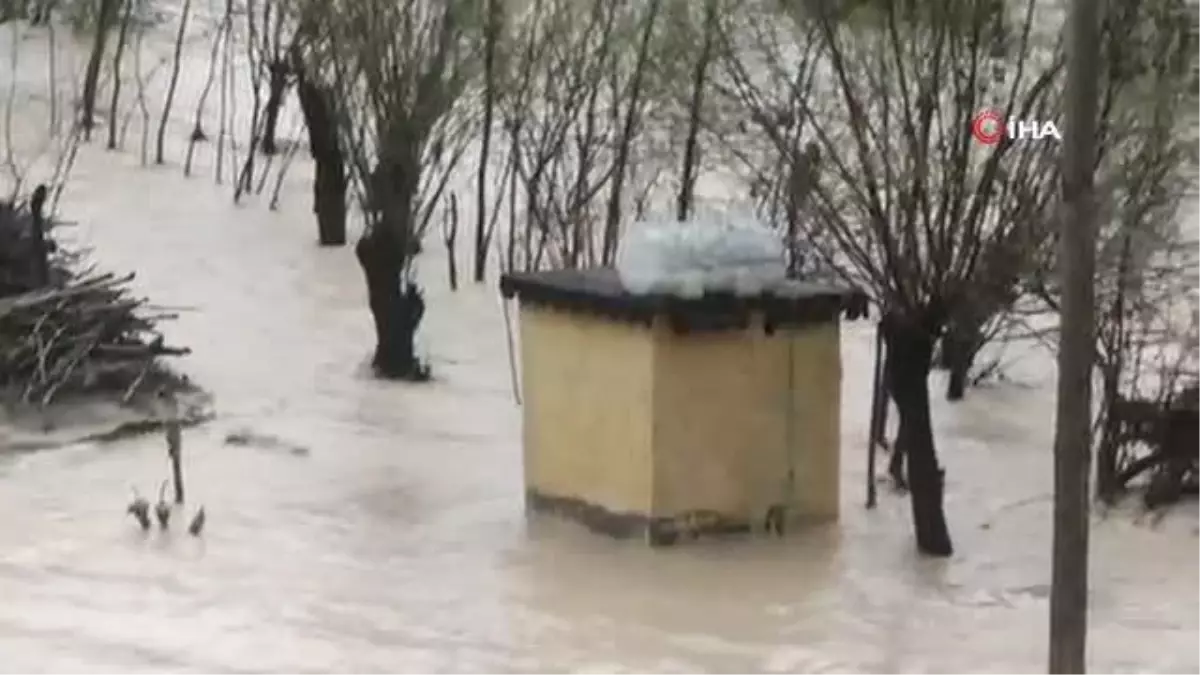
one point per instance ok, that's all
(139, 508)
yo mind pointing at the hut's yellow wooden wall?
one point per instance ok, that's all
(734, 433)
(641, 420)
(586, 386)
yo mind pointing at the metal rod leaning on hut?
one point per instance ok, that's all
(512, 352)
(508, 332)
(175, 449)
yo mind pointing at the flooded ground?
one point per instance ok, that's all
(382, 527)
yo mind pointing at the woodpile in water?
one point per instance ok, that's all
(66, 328)
(1158, 439)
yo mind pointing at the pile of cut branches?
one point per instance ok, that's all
(65, 328)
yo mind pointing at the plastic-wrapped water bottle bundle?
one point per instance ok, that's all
(710, 253)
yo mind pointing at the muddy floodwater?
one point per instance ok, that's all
(361, 526)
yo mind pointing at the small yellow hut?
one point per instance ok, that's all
(658, 417)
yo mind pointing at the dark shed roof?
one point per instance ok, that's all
(599, 291)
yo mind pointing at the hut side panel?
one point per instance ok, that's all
(746, 422)
(720, 400)
(587, 412)
(816, 420)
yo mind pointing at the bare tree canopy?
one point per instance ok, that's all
(399, 72)
(893, 191)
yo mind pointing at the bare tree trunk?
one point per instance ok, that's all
(613, 219)
(450, 237)
(277, 85)
(889, 393)
(143, 108)
(396, 307)
(909, 358)
(485, 144)
(329, 180)
(691, 152)
(42, 10)
(1076, 351)
(176, 59)
(282, 174)
(510, 256)
(52, 75)
(802, 172)
(198, 123)
(1111, 368)
(118, 55)
(880, 394)
(175, 454)
(225, 102)
(91, 76)
(384, 253)
(960, 344)
(382, 266)
(41, 248)
(245, 178)
(878, 420)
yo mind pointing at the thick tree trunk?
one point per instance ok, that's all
(910, 356)
(396, 305)
(329, 180)
(277, 84)
(397, 312)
